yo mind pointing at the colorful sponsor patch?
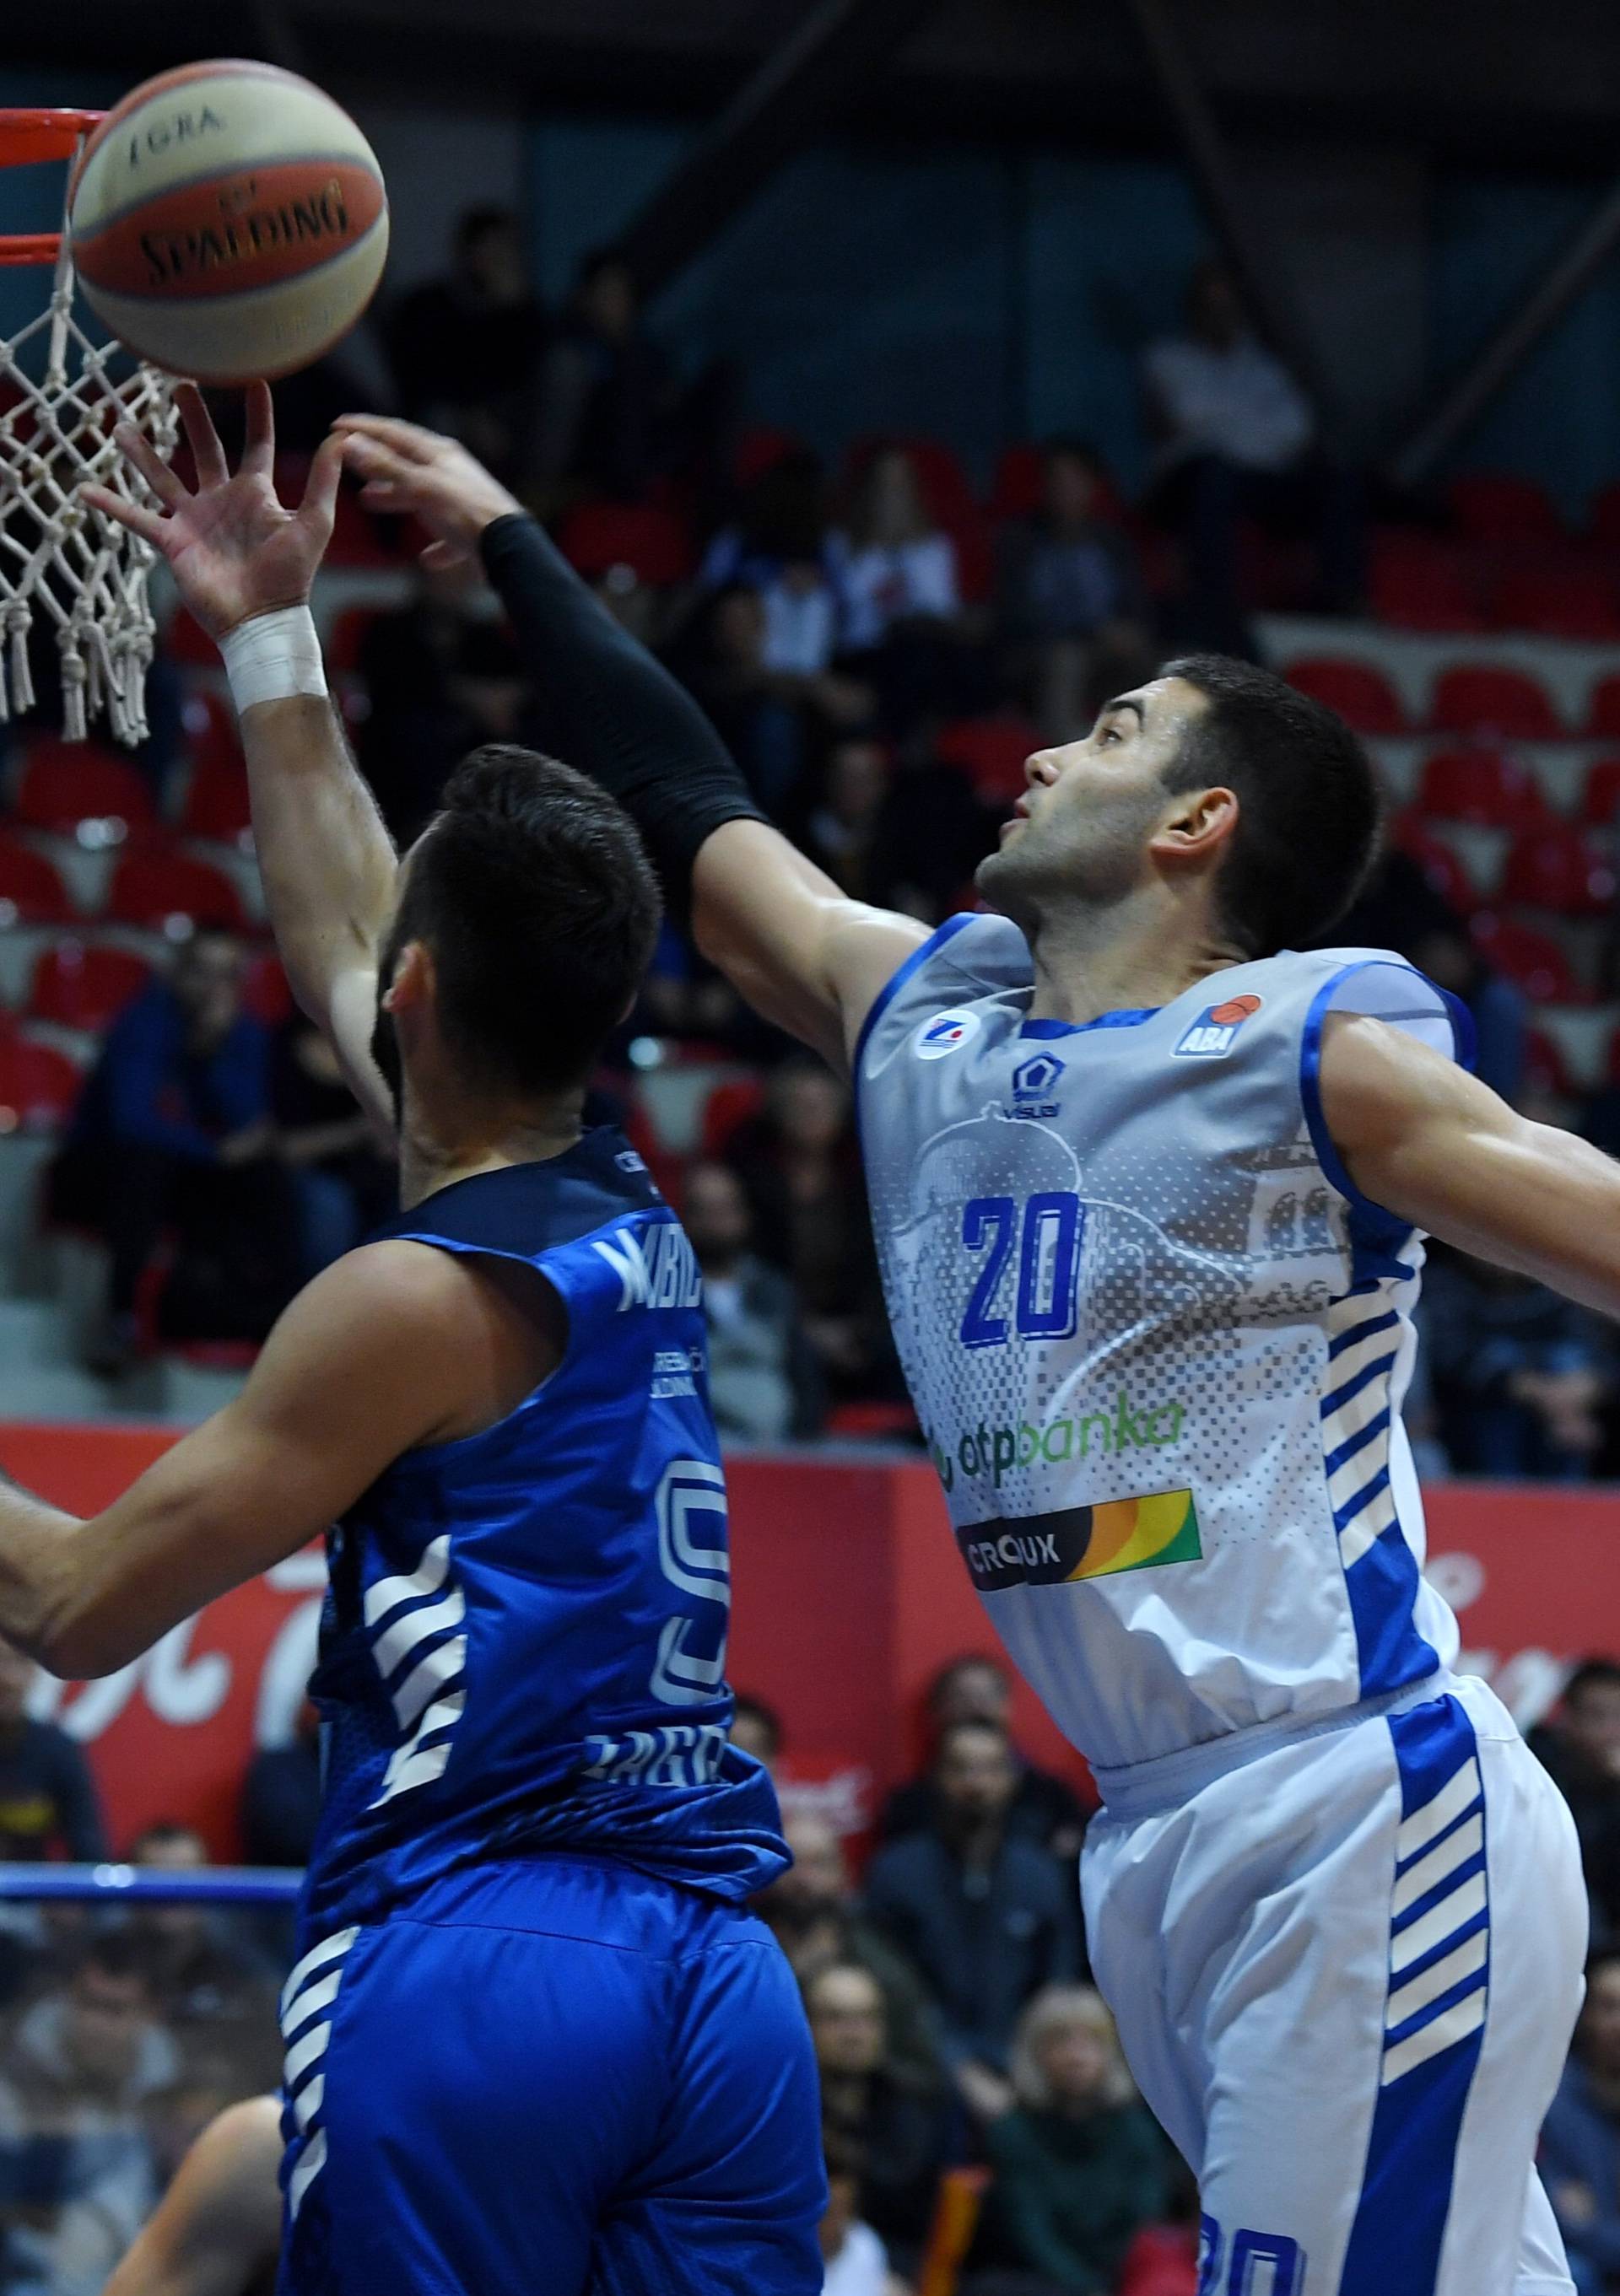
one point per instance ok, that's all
(1215, 1030)
(946, 1032)
(1083, 1542)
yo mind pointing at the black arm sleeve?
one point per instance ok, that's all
(608, 707)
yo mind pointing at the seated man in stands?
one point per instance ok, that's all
(975, 1689)
(172, 1138)
(1579, 2155)
(1579, 1746)
(764, 1383)
(48, 1803)
(903, 2131)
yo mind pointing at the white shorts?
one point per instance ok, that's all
(1345, 1974)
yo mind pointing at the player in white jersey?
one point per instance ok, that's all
(1149, 1193)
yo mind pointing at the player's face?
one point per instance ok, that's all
(1082, 827)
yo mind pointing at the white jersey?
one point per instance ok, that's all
(1156, 1340)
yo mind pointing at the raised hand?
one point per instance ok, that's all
(406, 468)
(233, 549)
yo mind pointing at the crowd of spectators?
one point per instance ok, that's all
(982, 2130)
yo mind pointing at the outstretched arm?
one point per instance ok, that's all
(244, 566)
(1437, 1147)
(792, 942)
(219, 2228)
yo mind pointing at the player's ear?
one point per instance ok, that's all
(414, 981)
(1195, 824)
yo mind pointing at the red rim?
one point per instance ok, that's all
(27, 137)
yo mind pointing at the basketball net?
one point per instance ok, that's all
(59, 561)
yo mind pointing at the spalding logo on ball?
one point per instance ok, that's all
(228, 221)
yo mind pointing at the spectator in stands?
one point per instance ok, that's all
(1579, 1745)
(1072, 607)
(902, 2131)
(172, 1135)
(49, 1807)
(812, 1912)
(1078, 2166)
(1520, 1374)
(1579, 2154)
(854, 2259)
(281, 1796)
(439, 679)
(1237, 439)
(1496, 1006)
(842, 831)
(606, 390)
(342, 1186)
(768, 719)
(986, 1917)
(779, 547)
(757, 1729)
(977, 1689)
(466, 349)
(209, 1982)
(799, 1164)
(764, 1384)
(896, 576)
(76, 2169)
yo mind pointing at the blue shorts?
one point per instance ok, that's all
(551, 2075)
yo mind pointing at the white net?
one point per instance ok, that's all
(63, 565)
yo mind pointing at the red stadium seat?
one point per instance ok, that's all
(67, 784)
(265, 991)
(342, 640)
(1532, 959)
(1600, 797)
(217, 805)
(760, 449)
(1416, 583)
(1546, 1069)
(186, 641)
(993, 752)
(164, 891)
(1603, 709)
(1492, 506)
(81, 987)
(652, 543)
(1489, 698)
(1442, 865)
(1362, 695)
(31, 891)
(1605, 523)
(1568, 601)
(1482, 786)
(729, 1106)
(38, 1084)
(1558, 868)
(1015, 491)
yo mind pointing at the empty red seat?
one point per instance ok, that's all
(1601, 797)
(1441, 865)
(1482, 786)
(1015, 491)
(68, 785)
(729, 1106)
(1419, 584)
(1546, 1069)
(1534, 960)
(85, 987)
(342, 642)
(1362, 695)
(993, 752)
(1489, 698)
(1494, 506)
(1603, 709)
(38, 1084)
(1558, 868)
(217, 805)
(1605, 523)
(265, 991)
(1568, 601)
(166, 892)
(186, 640)
(599, 536)
(31, 891)
(760, 449)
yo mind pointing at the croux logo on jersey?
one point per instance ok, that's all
(945, 1032)
(1216, 1031)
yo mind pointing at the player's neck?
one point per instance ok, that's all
(1130, 957)
(439, 1146)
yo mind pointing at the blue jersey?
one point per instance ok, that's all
(524, 1638)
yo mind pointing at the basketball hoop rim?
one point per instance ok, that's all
(26, 137)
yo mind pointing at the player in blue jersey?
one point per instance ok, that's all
(534, 2038)
(1149, 1177)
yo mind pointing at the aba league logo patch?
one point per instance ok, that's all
(946, 1032)
(1216, 1031)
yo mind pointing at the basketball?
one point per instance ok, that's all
(228, 222)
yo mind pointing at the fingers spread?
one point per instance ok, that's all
(408, 440)
(201, 436)
(258, 449)
(138, 449)
(321, 493)
(135, 516)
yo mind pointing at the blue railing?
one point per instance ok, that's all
(222, 1885)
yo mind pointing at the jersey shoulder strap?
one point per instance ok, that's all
(971, 957)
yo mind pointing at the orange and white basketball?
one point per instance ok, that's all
(228, 221)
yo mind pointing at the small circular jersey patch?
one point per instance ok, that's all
(946, 1032)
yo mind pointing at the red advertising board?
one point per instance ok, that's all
(849, 1593)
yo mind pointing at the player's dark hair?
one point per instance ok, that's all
(116, 1953)
(1591, 1673)
(967, 1662)
(1309, 808)
(162, 1830)
(533, 891)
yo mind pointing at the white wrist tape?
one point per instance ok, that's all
(273, 656)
